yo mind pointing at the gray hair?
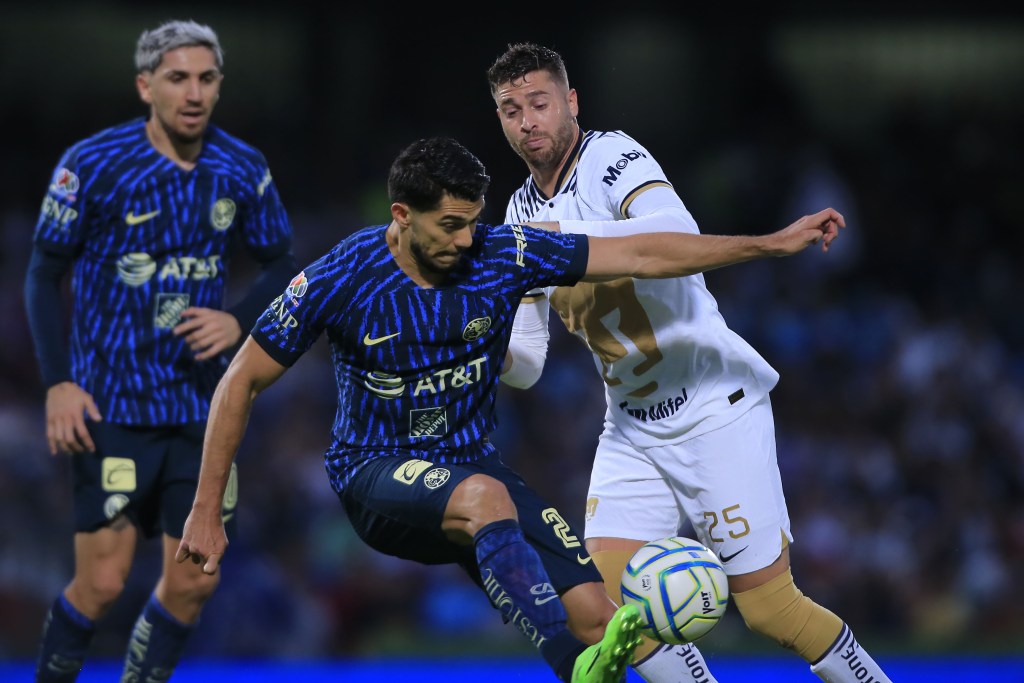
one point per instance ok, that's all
(154, 44)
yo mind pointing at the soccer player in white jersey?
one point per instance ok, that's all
(689, 432)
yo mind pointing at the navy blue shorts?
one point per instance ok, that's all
(396, 505)
(147, 473)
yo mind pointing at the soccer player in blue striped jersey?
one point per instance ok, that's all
(689, 434)
(145, 216)
(418, 314)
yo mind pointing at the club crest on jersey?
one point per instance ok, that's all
(476, 328)
(65, 184)
(222, 214)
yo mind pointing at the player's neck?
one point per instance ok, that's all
(399, 247)
(184, 154)
(546, 179)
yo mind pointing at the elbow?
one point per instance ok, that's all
(525, 370)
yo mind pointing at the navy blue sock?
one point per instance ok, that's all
(157, 642)
(519, 587)
(66, 637)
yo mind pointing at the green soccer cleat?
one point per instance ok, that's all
(606, 661)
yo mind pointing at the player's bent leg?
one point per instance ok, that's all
(778, 610)
(168, 618)
(606, 661)
(655, 662)
(589, 611)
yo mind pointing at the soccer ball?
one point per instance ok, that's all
(680, 588)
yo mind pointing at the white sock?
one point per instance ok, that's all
(675, 664)
(847, 662)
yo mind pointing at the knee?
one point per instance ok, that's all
(778, 610)
(475, 503)
(99, 589)
(191, 586)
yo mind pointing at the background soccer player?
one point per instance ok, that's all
(143, 214)
(417, 313)
(689, 433)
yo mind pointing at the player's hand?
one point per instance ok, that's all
(67, 404)
(203, 541)
(208, 331)
(820, 227)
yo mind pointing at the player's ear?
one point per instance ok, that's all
(574, 105)
(401, 213)
(142, 85)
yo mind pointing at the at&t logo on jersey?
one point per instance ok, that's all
(616, 169)
(387, 385)
(137, 268)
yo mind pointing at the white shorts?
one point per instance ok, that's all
(725, 485)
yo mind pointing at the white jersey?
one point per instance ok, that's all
(672, 367)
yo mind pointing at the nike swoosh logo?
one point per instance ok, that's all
(541, 601)
(370, 342)
(131, 219)
(224, 519)
(725, 558)
(584, 561)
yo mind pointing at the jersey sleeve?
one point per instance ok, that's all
(60, 226)
(267, 228)
(295, 320)
(616, 171)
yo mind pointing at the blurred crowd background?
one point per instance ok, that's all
(900, 411)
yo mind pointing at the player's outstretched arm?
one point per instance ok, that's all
(659, 255)
(250, 372)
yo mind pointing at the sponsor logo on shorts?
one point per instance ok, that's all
(230, 501)
(436, 478)
(584, 560)
(725, 558)
(118, 474)
(591, 508)
(409, 470)
(113, 505)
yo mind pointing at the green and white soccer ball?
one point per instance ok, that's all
(680, 588)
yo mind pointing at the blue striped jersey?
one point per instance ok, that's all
(150, 239)
(417, 368)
